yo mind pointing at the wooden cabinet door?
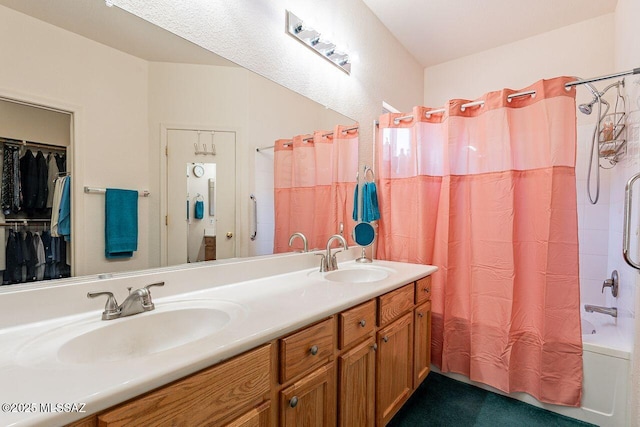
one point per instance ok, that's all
(357, 386)
(208, 397)
(311, 401)
(394, 368)
(256, 417)
(422, 343)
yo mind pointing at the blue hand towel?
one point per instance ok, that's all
(370, 210)
(355, 204)
(121, 223)
(199, 210)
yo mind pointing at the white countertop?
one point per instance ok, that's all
(267, 308)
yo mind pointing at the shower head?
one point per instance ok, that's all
(588, 108)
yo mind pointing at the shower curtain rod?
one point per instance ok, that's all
(607, 77)
(258, 149)
(429, 113)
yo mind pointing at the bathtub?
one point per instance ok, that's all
(606, 360)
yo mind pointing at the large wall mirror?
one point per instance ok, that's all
(152, 111)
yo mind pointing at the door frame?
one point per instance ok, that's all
(240, 184)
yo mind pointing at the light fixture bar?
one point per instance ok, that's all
(311, 38)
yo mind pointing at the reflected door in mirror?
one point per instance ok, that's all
(200, 195)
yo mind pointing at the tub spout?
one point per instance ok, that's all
(611, 311)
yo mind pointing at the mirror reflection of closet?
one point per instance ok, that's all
(33, 152)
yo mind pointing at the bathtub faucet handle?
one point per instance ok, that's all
(612, 283)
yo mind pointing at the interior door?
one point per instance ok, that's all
(181, 222)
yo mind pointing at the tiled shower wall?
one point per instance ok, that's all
(626, 168)
(593, 223)
(264, 197)
(600, 226)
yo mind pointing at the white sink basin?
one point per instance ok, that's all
(169, 326)
(355, 273)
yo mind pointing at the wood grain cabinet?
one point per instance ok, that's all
(210, 397)
(310, 401)
(394, 367)
(357, 376)
(421, 343)
(355, 368)
(259, 416)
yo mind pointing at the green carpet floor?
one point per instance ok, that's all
(442, 401)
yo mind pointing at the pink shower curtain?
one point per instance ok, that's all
(488, 195)
(314, 182)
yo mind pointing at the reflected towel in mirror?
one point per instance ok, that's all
(370, 210)
(121, 223)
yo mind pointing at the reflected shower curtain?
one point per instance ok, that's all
(314, 182)
(488, 194)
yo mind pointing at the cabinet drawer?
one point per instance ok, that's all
(307, 349)
(423, 289)
(203, 398)
(394, 303)
(356, 323)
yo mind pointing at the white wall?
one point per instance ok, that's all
(33, 124)
(251, 33)
(584, 49)
(231, 98)
(108, 91)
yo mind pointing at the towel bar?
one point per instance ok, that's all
(143, 193)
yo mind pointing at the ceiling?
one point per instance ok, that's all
(118, 29)
(436, 31)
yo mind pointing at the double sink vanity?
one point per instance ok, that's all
(262, 341)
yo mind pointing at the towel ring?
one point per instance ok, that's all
(369, 170)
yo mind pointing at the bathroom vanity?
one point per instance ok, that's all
(346, 347)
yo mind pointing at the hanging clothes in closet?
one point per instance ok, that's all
(32, 256)
(10, 180)
(33, 192)
(61, 208)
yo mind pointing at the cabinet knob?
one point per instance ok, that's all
(375, 347)
(313, 350)
(362, 323)
(385, 339)
(293, 402)
(420, 315)
(426, 290)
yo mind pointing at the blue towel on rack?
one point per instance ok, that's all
(370, 210)
(121, 223)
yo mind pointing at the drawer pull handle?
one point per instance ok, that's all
(362, 323)
(426, 290)
(293, 402)
(375, 347)
(385, 339)
(420, 315)
(314, 350)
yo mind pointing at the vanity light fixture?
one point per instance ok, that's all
(311, 38)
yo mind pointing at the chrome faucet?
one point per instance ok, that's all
(611, 311)
(304, 240)
(138, 301)
(329, 261)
